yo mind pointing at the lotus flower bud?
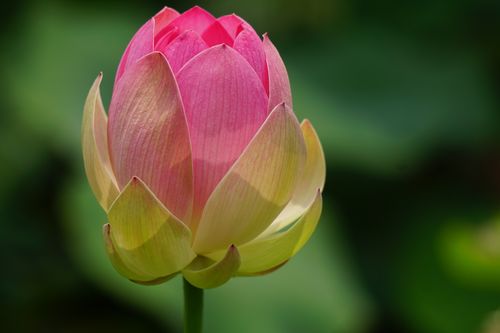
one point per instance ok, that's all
(200, 164)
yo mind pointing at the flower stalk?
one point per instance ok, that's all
(193, 308)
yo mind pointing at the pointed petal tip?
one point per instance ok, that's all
(154, 54)
(196, 9)
(307, 126)
(213, 274)
(233, 249)
(146, 236)
(118, 264)
(134, 182)
(221, 47)
(164, 9)
(285, 107)
(105, 229)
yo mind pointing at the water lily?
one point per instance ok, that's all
(201, 165)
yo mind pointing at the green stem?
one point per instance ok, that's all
(193, 308)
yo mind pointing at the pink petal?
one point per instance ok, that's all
(141, 44)
(279, 85)
(167, 37)
(225, 104)
(249, 45)
(148, 134)
(163, 18)
(196, 19)
(216, 34)
(257, 187)
(183, 48)
(233, 24)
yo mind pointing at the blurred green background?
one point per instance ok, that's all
(404, 95)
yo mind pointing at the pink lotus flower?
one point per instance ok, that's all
(202, 166)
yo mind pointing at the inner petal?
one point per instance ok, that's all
(217, 34)
(231, 23)
(225, 104)
(181, 49)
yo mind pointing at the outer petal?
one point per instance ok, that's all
(181, 49)
(141, 44)
(217, 34)
(261, 256)
(148, 133)
(122, 268)
(279, 85)
(249, 45)
(95, 148)
(257, 187)
(311, 179)
(146, 236)
(205, 273)
(225, 105)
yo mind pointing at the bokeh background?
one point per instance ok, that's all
(404, 95)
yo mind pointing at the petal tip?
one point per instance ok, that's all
(197, 10)
(213, 274)
(283, 107)
(106, 232)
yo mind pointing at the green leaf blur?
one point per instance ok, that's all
(404, 96)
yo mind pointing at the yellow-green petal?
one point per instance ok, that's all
(95, 148)
(262, 255)
(312, 178)
(124, 270)
(115, 258)
(205, 273)
(147, 237)
(257, 187)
